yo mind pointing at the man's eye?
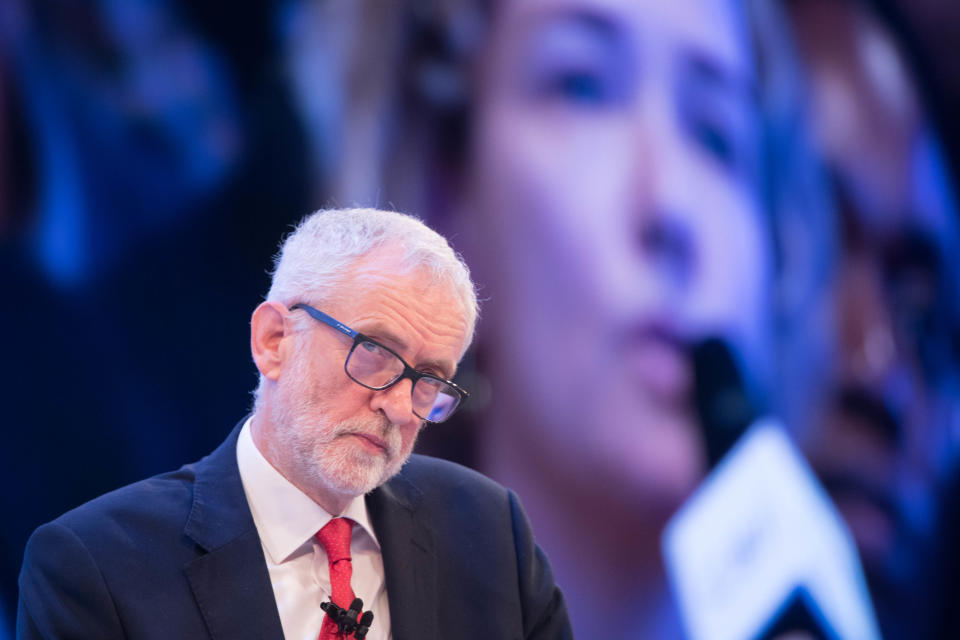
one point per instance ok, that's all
(373, 349)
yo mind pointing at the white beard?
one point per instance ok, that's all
(321, 455)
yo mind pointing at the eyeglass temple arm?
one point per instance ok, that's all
(320, 316)
(342, 328)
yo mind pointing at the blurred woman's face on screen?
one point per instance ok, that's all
(613, 183)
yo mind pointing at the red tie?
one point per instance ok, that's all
(335, 538)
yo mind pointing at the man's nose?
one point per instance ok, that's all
(396, 402)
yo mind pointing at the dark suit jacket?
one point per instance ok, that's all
(178, 556)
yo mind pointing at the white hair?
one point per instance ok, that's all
(316, 259)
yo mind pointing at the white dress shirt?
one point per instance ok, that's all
(287, 521)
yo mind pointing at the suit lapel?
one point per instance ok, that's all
(230, 582)
(409, 561)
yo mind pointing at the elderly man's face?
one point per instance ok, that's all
(335, 435)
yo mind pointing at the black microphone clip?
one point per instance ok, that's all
(349, 621)
(364, 625)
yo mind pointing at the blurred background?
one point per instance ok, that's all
(625, 178)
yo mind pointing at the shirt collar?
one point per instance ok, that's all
(286, 518)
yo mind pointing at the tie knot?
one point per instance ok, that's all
(335, 539)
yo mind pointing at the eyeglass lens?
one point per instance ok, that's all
(373, 366)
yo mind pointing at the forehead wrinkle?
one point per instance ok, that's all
(381, 332)
(409, 318)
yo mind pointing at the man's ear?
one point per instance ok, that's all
(267, 330)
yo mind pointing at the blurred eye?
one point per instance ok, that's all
(916, 267)
(730, 139)
(579, 87)
(578, 60)
(712, 137)
(719, 115)
(912, 269)
(912, 272)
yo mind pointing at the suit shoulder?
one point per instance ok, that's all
(147, 504)
(429, 470)
(443, 482)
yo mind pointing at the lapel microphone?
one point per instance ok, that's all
(365, 621)
(347, 619)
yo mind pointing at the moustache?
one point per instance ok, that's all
(378, 429)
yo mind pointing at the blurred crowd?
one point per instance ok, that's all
(625, 178)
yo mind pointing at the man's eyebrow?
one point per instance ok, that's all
(383, 334)
(445, 370)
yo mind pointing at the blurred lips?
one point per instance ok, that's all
(657, 357)
(857, 466)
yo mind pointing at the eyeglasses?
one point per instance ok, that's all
(374, 366)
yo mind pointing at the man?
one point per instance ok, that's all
(368, 314)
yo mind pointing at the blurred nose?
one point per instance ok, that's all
(396, 402)
(867, 339)
(661, 187)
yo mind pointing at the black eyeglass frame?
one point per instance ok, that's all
(408, 372)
